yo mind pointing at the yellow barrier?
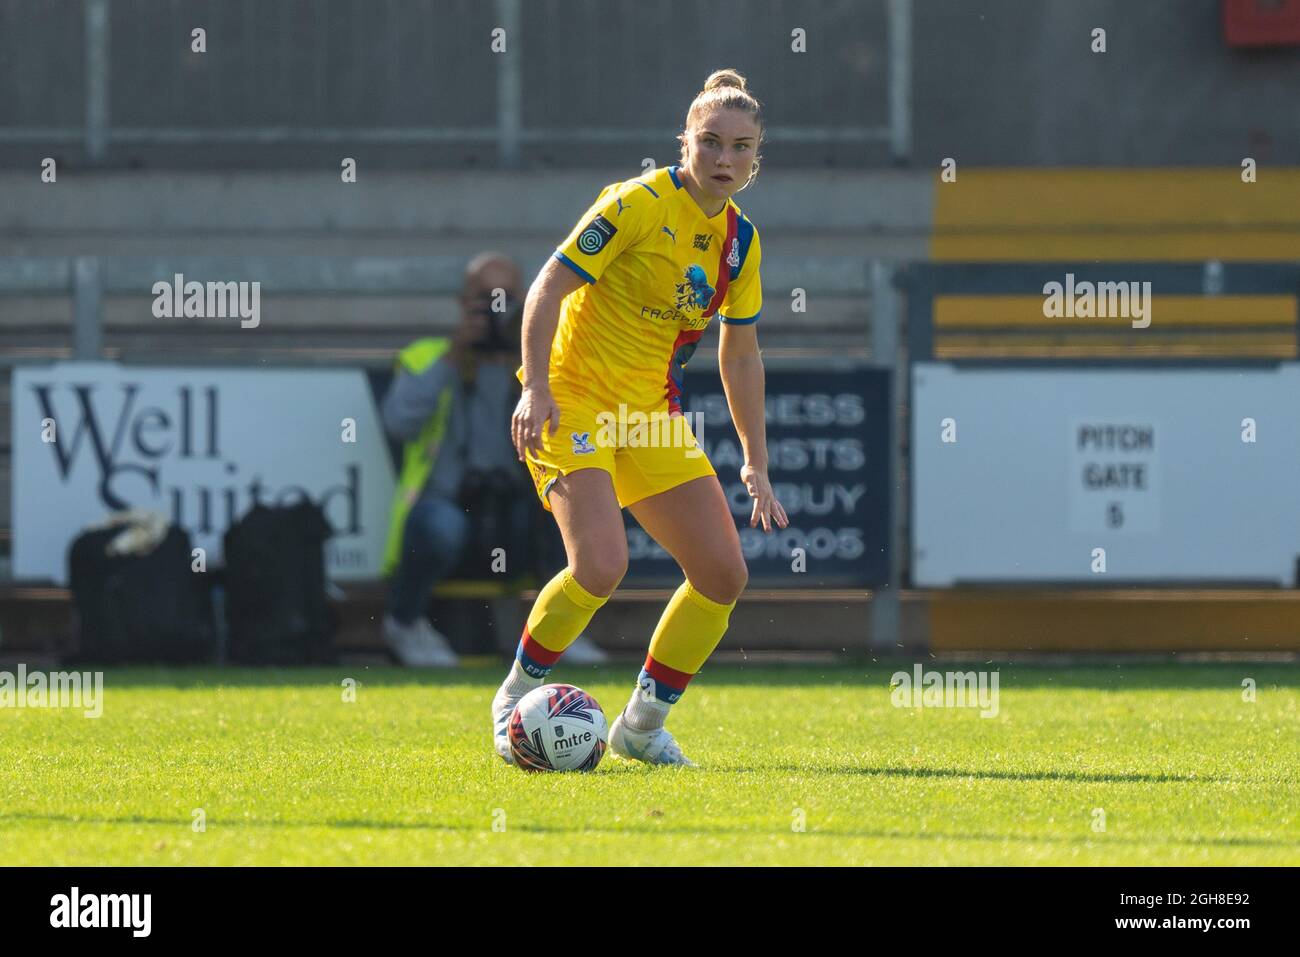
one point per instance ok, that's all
(1006, 215)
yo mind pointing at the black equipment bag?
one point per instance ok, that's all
(140, 608)
(275, 587)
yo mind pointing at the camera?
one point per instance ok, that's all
(503, 327)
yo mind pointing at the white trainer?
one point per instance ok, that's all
(584, 651)
(652, 747)
(503, 705)
(419, 644)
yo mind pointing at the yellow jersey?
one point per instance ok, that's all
(657, 270)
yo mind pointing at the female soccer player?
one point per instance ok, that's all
(609, 325)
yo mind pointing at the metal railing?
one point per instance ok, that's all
(88, 280)
(98, 133)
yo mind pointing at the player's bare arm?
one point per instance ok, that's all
(541, 317)
(741, 365)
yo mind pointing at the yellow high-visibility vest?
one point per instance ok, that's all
(419, 454)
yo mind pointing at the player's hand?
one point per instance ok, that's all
(536, 407)
(765, 504)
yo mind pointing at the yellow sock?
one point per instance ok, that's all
(563, 608)
(689, 630)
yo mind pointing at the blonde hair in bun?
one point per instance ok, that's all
(724, 78)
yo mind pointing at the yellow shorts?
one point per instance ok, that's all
(644, 454)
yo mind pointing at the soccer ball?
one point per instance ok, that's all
(558, 728)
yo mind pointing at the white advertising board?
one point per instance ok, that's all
(200, 445)
(1177, 474)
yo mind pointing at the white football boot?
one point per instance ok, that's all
(652, 747)
(503, 705)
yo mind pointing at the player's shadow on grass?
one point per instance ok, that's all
(1083, 777)
(660, 828)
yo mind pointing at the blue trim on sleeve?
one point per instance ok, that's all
(672, 171)
(745, 234)
(575, 267)
(652, 192)
(739, 322)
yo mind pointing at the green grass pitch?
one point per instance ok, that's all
(286, 772)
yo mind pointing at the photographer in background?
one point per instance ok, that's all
(450, 403)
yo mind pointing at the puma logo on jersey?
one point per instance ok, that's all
(670, 233)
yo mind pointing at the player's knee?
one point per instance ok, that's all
(738, 579)
(599, 570)
(726, 582)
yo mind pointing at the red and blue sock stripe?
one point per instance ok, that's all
(535, 659)
(668, 683)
